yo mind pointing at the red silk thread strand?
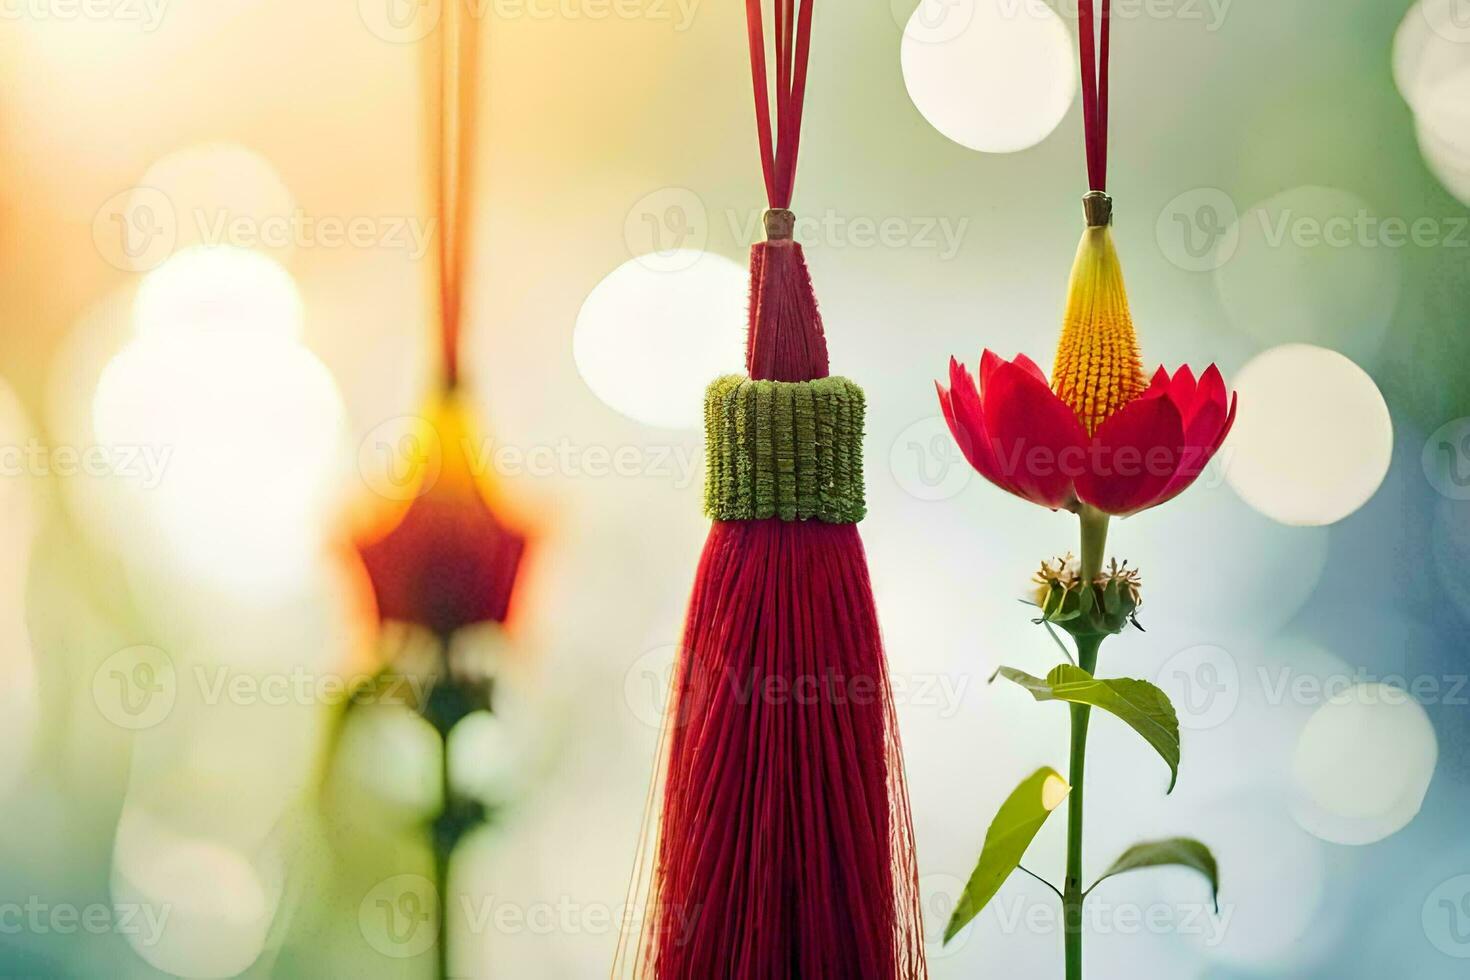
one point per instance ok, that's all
(451, 80)
(792, 29)
(1094, 51)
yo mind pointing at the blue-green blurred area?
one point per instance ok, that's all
(215, 293)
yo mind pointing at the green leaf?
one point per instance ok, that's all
(1145, 708)
(1177, 851)
(1010, 833)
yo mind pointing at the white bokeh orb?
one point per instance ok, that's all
(221, 436)
(393, 756)
(234, 441)
(483, 758)
(1363, 765)
(202, 910)
(218, 288)
(993, 76)
(1313, 438)
(648, 342)
(1431, 44)
(1314, 265)
(224, 194)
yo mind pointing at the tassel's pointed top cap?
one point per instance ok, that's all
(1097, 208)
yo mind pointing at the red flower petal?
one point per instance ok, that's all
(961, 407)
(1211, 391)
(1133, 457)
(989, 361)
(1031, 367)
(1207, 420)
(1037, 440)
(1182, 390)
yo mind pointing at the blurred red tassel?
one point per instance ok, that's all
(785, 846)
(448, 560)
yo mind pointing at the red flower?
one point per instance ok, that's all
(1023, 437)
(447, 560)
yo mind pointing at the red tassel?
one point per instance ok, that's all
(785, 847)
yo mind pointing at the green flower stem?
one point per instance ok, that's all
(1094, 542)
(1087, 647)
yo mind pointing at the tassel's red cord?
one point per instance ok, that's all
(792, 42)
(1094, 65)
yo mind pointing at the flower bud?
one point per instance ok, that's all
(1105, 605)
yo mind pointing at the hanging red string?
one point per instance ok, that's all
(784, 846)
(793, 47)
(452, 83)
(1094, 51)
(448, 559)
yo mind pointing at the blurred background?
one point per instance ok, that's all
(214, 225)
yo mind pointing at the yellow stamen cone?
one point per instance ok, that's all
(1097, 369)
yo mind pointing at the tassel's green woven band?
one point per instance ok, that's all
(792, 450)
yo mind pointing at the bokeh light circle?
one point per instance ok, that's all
(234, 433)
(393, 754)
(1431, 44)
(648, 342)
(999, 79)
(218, 194)
(218, 288)
(1313, 438)
(202, 909)
(483, 758)
(1363, 765)
(1314, 265)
